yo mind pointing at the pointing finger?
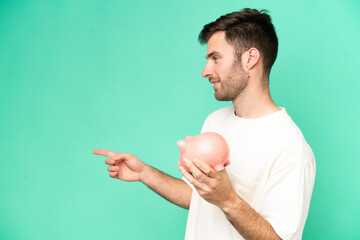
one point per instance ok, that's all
(105, 153)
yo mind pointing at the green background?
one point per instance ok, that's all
(126, 76)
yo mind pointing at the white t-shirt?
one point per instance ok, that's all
(271, 167)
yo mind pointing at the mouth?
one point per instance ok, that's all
(213, 81)
(216, 84)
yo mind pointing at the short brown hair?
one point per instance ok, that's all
(245, 29)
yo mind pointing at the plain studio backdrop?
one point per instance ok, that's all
(126, 76)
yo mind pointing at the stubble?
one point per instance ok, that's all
(233, 84)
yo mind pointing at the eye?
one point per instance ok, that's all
(216, 59)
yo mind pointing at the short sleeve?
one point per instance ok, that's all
(287, 198)
(205, 125)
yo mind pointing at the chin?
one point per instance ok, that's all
(222, 98)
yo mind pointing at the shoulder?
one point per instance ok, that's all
(221, 113)
(217, 118)
(288, 132)
(291, 141)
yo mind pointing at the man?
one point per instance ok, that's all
(265, 192)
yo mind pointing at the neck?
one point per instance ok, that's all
(254, 102)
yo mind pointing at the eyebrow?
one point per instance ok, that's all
(212, 54)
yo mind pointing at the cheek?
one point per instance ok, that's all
(221, 74)
(225, 71)
(225, 76)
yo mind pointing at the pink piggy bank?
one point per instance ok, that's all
(209, 147)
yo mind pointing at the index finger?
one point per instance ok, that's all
(105, 153)
(208, 170)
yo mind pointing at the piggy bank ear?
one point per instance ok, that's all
(188, 138)
(227, 163)
(182, 145)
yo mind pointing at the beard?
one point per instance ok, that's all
(232, 85)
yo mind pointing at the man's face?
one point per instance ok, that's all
(222, 70)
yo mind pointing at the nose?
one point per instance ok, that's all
(207, 71)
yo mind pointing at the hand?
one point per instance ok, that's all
(124, 166)
(214, 187)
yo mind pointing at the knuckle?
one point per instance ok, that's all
(212, 186)
(208, 189)
(202, 175)
(121, 156)
(193, 181)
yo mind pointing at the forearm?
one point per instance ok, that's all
(172, 189)
(247, 221)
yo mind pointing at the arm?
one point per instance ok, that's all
(172, 189)
(215, 187)
(127, 167)
(246, 220)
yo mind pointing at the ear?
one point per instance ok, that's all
(188, 138)
(252, 58)
(182, 145)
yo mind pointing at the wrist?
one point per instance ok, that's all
(230, 203)
(144, 173)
